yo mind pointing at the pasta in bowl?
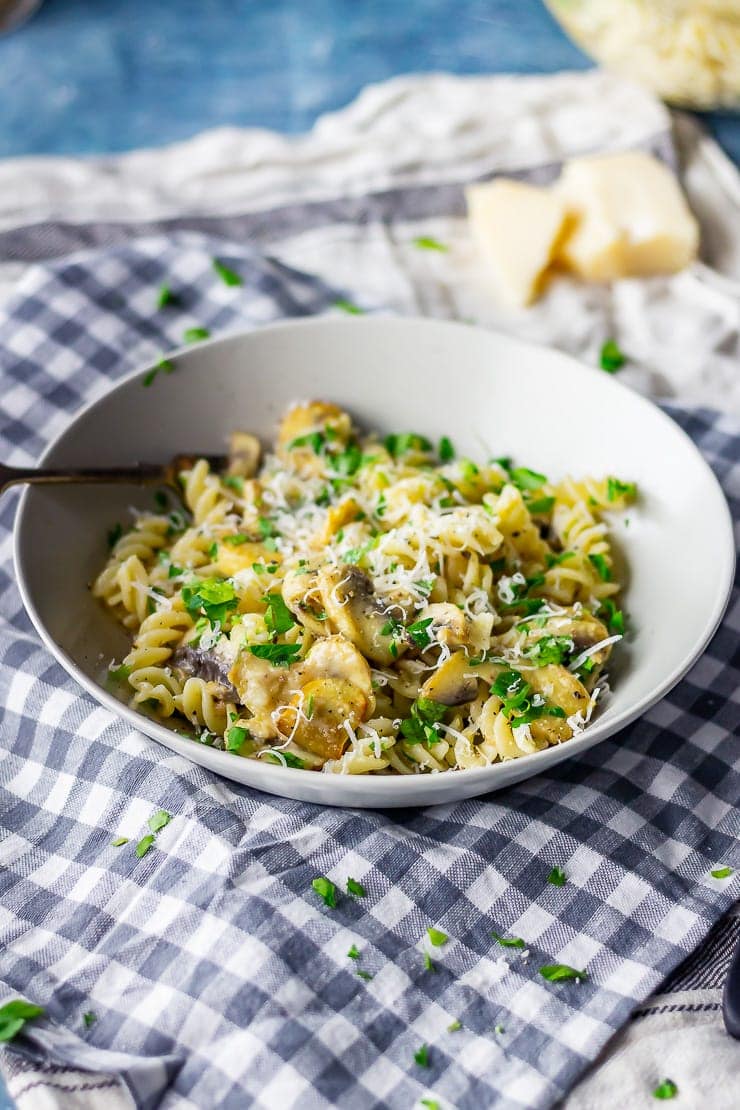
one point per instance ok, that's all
(361, 604)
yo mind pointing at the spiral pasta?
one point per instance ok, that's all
(367, 606)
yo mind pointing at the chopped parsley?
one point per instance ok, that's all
(446, 451)
(721, 872)
(278, 617)
(14, 1015)
(611, 358)
(556, 973)
(89, 1018)
(114, 535)
(354, 952)
(349, 307)
(549, 649)
(429, 963)
(402, 442)
(364, 974)
(194, 335)
(454, 1026)
(165, 297)
(234, 481)
(421, 1056)
(614, 617)
(508, 942)
(280, 655)
(526, 479)
(211, 598)
(159, 819)
(285, 759)
(235, 737)
(326, 891)
(308, 712)
(237, 539)
(557, 877)
(347, 462)
(163, 364)
(418, 631)
(437, 937)
(119, 674)
(119, 842)
(616, 489)
(315, 440)
(499, 1029)
(602, 567)
(355, 554)
(428, 243)
(161, 500)
(666, 1089)
(556, 560)
(353, 887)
(144, 845)
(227, 275)
(430, 1103)
(541, 505)
(420, 728)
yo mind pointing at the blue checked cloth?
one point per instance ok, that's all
(217, 975)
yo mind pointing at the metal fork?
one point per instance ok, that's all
(141, 474)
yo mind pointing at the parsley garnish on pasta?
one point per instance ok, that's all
(369, 604)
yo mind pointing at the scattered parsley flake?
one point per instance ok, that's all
(280, 655)
(556, 973)
(144, 845)
(429, 962)
(721, 872)
(401, 443)
(278, 617)
(14, 1015)
(237, 539)
(354, 952)
(602, 567)
(614, 616)
(315, 440)
(119, 842)
(666, 1089)
(421, 1056)
(557, 877)
(364, 974)
(159, 819)
(89, 1018)
(235, 737)
(349, 307)
(616, 489)
(234, 481)
(437, 937)
(326, 890)
(194, 335)
(428, 243)
(430, 1103)
(611, 358)
(285, 759)
(227, 275)
(212, 598)
(353, 887)
(446, 451)
(508, 942)
(419, 634)
(526, 479)
(166, 297)
(541, 505)
(454, 1026)
(499, 1029)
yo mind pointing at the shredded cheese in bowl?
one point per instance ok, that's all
(362, 605)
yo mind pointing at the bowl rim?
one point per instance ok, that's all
(213, 758)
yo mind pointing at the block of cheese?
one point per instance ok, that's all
(517, 228)
(630, 218)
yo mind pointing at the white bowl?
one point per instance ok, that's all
(493, 396)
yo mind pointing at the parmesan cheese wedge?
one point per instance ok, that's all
(631, 218)
(517, 228)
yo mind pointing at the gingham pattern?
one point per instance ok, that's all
(218, 977)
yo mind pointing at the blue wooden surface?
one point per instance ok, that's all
(89, 76)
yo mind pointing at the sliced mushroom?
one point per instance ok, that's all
(314, 416)
(454, 683)
(585, 631)
(244, 454)
(558, 686)
(335, 657)
(331, 702)
(449, 625)
(335, 692)
(262, 687)
(354, 610)
(302, 596)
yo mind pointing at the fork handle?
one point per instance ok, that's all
(142, 474)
